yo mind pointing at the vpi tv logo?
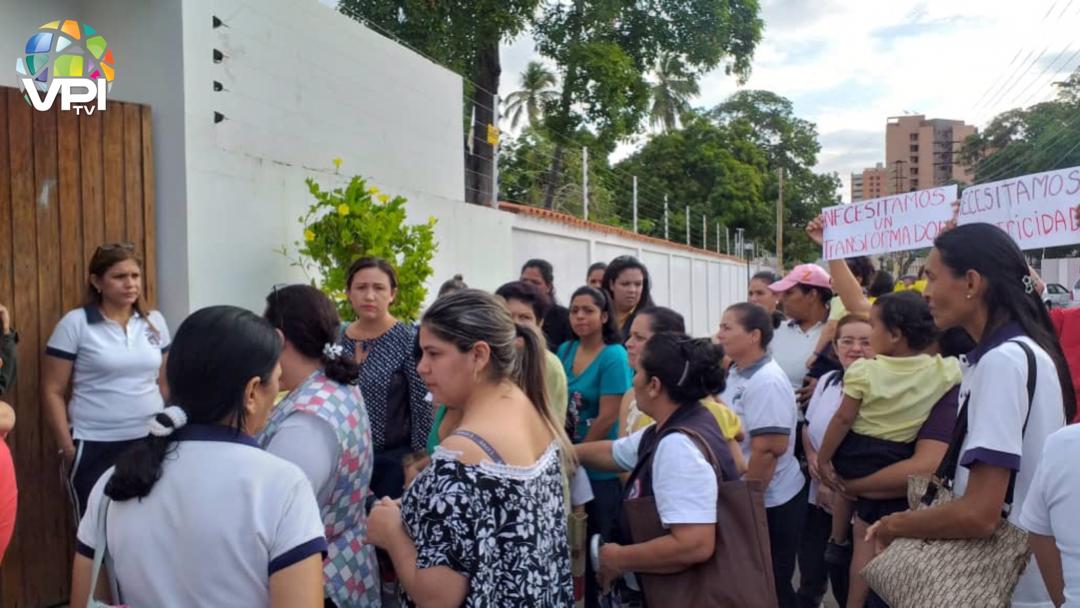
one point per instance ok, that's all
(69, 60)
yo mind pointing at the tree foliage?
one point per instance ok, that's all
(723, 164)
(522, 175)
(671, 92)
(348, 223)
(604, 48)
(537, 87)
(1021, 141)
(789, 143)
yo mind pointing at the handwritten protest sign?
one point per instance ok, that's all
(911, 220)
(1036, 210)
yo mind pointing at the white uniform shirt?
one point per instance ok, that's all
(1053, 502)
(762, 396)
(684, 483)
(222, 519)
(995, 387)
(823, 405)
(114, 389)
(791, 347)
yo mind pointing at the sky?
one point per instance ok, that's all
(849, 65)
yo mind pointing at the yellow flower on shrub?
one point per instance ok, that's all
(337, 162)
(384, 198)
(373, 190)
(343, 210)
(309, 235)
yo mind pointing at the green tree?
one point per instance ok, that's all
(537, 87)
(671, 92)
(604, 47)
(522, 175)
(348, 223)
(463, 35)
(790, 143)
(1021, 141)
(715, 169)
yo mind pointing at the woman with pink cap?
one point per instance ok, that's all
(805, 293)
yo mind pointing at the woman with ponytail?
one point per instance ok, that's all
(195, 514)
(978, 280)
(322, 427)
(485, 523)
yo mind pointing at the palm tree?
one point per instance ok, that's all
(671, 92)
(537, 86)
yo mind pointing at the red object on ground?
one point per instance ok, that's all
(9, 497)
(1067, 326)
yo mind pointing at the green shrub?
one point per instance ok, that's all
(348, 223)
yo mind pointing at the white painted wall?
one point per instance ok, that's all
(303, 85)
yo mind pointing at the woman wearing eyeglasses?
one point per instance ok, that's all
(110, 353)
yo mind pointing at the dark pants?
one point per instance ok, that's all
(601, 512)
(785, 531)
(814, 574)
(92, 459)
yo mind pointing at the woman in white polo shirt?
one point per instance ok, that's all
(977, 279)
(760, 392)
(110, 353)
(198, 514)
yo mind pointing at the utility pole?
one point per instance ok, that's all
(717, 237)
(727, 239)
(780, 224)
(585, 182)
(635, 203)
(704, 233)
(665, 219)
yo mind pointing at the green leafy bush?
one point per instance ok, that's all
(348, 223)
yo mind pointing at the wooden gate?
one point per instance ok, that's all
(67, 184)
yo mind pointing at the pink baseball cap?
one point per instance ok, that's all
(804, 274)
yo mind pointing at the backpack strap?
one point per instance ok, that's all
(946, 471)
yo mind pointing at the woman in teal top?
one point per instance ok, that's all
(598, 374)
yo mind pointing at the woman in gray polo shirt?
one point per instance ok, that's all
(110, 353)
(760, 393)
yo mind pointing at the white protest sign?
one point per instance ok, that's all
(1036, 210)
(911, 220)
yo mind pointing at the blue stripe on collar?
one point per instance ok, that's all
(753, 367)
(214, 432)
(1000, 336)
(93, 314)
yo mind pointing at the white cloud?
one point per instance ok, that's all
(848, 65)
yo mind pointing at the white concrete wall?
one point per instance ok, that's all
(303, 85)
(696, 284)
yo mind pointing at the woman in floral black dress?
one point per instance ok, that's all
(484, 524)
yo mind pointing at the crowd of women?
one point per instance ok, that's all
(293, 459)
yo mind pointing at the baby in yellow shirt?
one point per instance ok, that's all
(886, 401)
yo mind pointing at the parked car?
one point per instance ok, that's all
(1056, 296)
